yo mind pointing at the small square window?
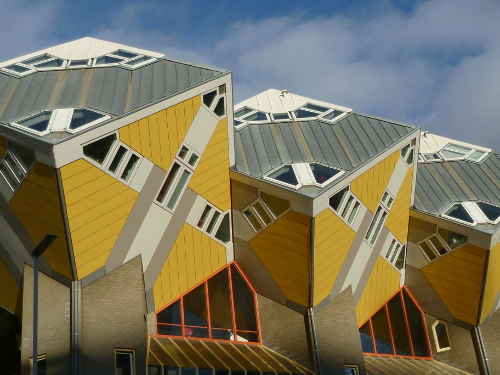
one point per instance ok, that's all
(441, 337)
(351, 370)
(124, 362)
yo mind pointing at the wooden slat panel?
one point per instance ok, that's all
(97, 209)
(492, 287)
(193, 257)
(398, 219)
(370, 186)
(332, 241)
(457, 278)
(383, 282)
(37, 205)
(211, 178)
(287, 260)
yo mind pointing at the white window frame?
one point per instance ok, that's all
(184, 166)
(433, 247)
(24, 171)
(258, 216)
(303, 107)
(466, 155)
(124, 60)
(60, 120)
(216, 225)
(220, 92)
(439, 349)
(392, 255)
(346, 212)
(304, 175)
(387, 200)
(474, 212)
(411, 149)
(351, 367)
(131, 353)
(378, 221)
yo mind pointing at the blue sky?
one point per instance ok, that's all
(432, 63)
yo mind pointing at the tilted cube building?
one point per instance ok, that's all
(286, 236)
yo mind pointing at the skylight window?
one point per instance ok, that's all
(455, 152)
(105, 60)
(473, 213)
(302, 113)
(298, 174)
(124, 58)
(310, 110)
(256, 116)
(37, 59)
(281, 116)
(54, 63)
(17, 68)
(68, 120)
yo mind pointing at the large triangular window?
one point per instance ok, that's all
(397, 328)
(223, 307)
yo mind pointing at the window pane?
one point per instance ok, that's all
(336, 200)
(262, 213)
(193, 159)
(183, 152)
(381, 332)
(220, 304)
(322, 173)
(243, 111)
(56, 63)
(82, 117)
(462, 149)
(302, 113)
(37, 59)
(281, 116)
(223, 234)
(8, 160)
(124, 363)
(257, 116)
(171, 314)
(244, 305)
(438, 245)
(441, 335)
(427, 250)
(409, 159)
(285, 174)
(490, 211)
(117, 160)
(398, 325)
(204, 215)
(42, 365)
(140, 60)
(126, 54)
(8, 176)
(130, 167)
(213, 221)
(252, 219)
(332, 115)
(353, 213)
(195, 312)
(17, 68)
(168, 183)
(178, 189)
(366, 338)
(275, 204)
(476, 155)
(79, 62)
(315, 107)
(448, 154)
(99, 150)
(417, 329)
(374, 221)
(452, 239)
(400, 261)
(379, 227)
(404, 150)
(457, 211)
(39, 122)
(347, 207)
(208, 98)
(107, 60)
(220, 108)
(24, 155)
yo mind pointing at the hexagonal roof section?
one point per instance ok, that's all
(62, 90)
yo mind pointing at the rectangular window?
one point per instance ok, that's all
(215, 224)
(263, 212)
(396, 255)
(437, 245)
(345, 204)
(15, 164)
(124, 362)
(376, 225)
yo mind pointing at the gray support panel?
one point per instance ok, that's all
(379, 138)
(150, 301)
(363, 280)
(249, 152)
(135, 219)
(169, 237)
(280, 144)
(144, 86)
(351, 143)
(72, 89)
(270, 146)
(257, 273)
(313, 142)
(194, 75)
(427, 298)
(351, 255)
(182, 76)
(159, 81)
(171, 80)
(297, 155)
(389, 129)
(363, 137)
(96, 275)
(260, 148)
(337, 147)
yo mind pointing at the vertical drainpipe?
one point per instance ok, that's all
(76, 290)
(311, 320)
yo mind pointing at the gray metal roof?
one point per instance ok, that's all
(113, 90)
(440, 184)
(346, 144)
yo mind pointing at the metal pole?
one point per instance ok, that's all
(35, 317)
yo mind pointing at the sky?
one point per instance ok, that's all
(430, 63)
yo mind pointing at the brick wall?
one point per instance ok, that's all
(462, 354)
(491, 338)
(338, 335)
(54, 323)
(283, 330)
(114, 309)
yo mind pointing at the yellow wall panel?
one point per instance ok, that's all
(284, 248)
(211, 177)
(492, 287)
(97, 209)
(9, 291)
(370, 186)
(457, 278)
(193, 257)
(383, 282)
(38, 206)
(399, 215)
(159, 136)
(332, 241)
